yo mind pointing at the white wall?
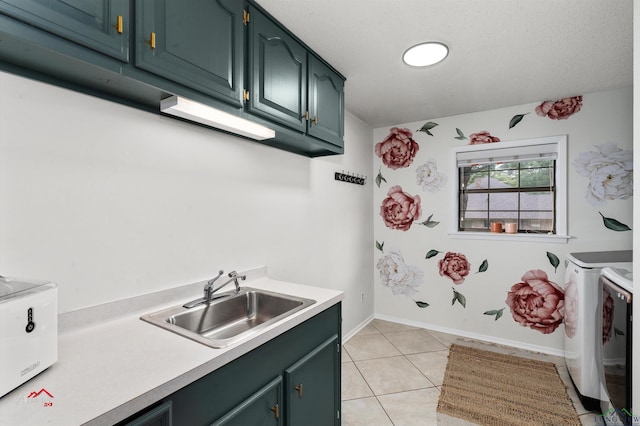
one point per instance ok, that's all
(636, 204)
(604, 117)
(112, 202)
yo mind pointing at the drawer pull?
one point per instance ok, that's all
(276, 411)
(118, 25)
(299, 389)
(152, 40)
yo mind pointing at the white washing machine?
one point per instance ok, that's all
(581, 306)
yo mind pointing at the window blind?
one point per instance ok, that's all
(506, 155)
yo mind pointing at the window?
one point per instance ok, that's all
(519, 184)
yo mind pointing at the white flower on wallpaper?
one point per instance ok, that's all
(610, 173)
(397, 275)
(428, 178)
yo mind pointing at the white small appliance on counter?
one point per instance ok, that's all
(28, 330)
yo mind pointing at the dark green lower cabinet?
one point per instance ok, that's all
(311, 393)
(159, 416)
(291, 380)
(262, 409)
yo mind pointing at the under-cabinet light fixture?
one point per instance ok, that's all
(204, 114)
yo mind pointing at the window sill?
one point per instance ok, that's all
(534, 238)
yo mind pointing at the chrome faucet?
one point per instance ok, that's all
(209, 290)
(208, 293)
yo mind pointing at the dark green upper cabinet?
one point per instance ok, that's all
(312, 394)
(198, 44)
(277, 73)
(140, 52)
(102, 25)
(326, 103)
(289, 85)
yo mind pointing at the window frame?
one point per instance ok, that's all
(559, 144)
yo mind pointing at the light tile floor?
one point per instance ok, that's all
(392, 373)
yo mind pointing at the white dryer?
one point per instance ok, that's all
(581, 305)
(615, 333)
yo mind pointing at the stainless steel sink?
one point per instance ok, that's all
(230, 318)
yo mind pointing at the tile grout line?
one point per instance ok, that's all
(407, 358)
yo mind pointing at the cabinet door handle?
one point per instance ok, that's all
(315, 120)
(118, 24)
(299, 389)
(152, 40)
(276, 411)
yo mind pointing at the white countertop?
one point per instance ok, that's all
(111, 369)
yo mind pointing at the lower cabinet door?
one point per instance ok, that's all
(263, 408)
(313, 387)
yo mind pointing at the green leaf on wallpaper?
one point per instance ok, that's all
(430, 223)
(553, 259)
(458, 297)
(613, 224)
(432, 253)
(483, 266)
(516, 119)
(421, 304)
(380, 179)
(427, 127)
(461, 135)
(380, 246)
(497, 313)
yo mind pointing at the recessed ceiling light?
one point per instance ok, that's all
(425, 54)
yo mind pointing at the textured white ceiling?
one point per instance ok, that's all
(502, 52)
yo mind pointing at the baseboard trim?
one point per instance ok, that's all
(462, 333)
(363, 324)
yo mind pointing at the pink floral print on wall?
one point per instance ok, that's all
(455, 266)
(482, 137)
(536, 302)
(398, 149)
(561, 109)
(400, 209)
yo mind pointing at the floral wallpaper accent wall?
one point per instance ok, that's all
(511, 290)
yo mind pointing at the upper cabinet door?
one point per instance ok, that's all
(102, 25)
(277, 73)
(196, 43)
(326, 103)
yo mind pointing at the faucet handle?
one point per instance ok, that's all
(212, 280)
